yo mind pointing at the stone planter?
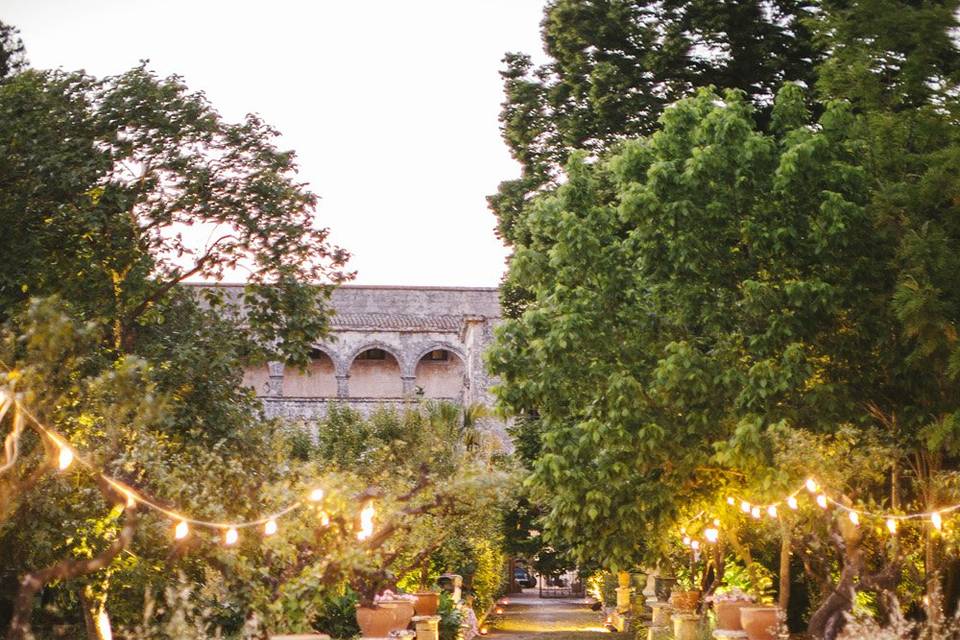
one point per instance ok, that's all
(427, 603)
(663, 586)
(686, 626)
(760, 623)
(728, 613)
(685, 601)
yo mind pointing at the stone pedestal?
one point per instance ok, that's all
(428, 627)
(686, 626)
(659, 633)
(650, 589)
(661, 614)
(623, 599)
(729, 634)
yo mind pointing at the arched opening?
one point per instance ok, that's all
(257, 378)
(439, 374)
(318, 381)
(375, 373)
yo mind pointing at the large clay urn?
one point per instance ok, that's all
(376, 622)
(728, 614)
(760, 623)
(427, 603)
(663, 586)
(402, 613)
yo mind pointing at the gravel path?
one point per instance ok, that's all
(527, 617)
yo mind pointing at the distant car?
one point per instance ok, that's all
(523, 578)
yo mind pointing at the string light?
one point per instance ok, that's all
(324, 519)
(755, 512)
(231, 536)
(366, 521)
(811, 485)
(936, 520)
(731, 501)
(892, 525)
(772, 511)
(711, 534)
(270, 528)
(316, 495)
(854, 517)
(181, 530)
(745, 506)
(686, 541)
(822, 500)
(792, 503)
(695, 545)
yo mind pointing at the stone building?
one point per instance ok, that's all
(390, 345)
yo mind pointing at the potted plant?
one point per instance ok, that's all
(387, 612)
(727, 603)
(760, 622)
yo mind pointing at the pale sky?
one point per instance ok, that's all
(391, 105)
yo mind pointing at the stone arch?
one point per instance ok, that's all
(318, 381)
(443, 378)
(376, 379)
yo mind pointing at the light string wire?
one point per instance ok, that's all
(68, 454)
(823, 500)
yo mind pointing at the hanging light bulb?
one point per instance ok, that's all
(711, 534)
(892, 525)
(181, 530)
(324, 519)
(65, 459)
(231, 536)
(316, 495)
(854, 517)
(745, 506)
(695, 545)
(686, 541)
(792, 503)
(716, 522)
(936, 520)
(772, 511)
(270, 527)
(131, 500)
(812, 485)
(366, 521)
(731, 501)
(822, 500)
(755, 512)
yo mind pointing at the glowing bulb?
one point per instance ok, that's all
(936, 520)
(483, 631)
(855, 517)
(695, 545)
(499, 610)
(711, 534)
(772, 511)
(716, 522)
(231, 536)
(270, 527)
(324, 519)
(755, 512)
(181, 530)
(811, 485)
(822, 500)
(892, 525)
(316, 495)
(792, 503)
(686, 540)
(730, 500)
(366, 521)
(745, 506)
(131, 501)
(65, 458)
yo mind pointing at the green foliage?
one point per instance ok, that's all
(338, 617)
(451, 617)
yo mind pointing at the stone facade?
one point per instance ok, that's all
(390, 345)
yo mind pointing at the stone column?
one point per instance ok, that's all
(428, 627)
(409, 384)
(275, 380)
(624, 592)
(343, 385)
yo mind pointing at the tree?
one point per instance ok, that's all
(104, 185)
(616, 64)
(13, 55)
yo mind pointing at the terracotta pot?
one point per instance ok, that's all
(760, 623)
(728, 614)
(375, 622)
(427, 603)
(402, 612)
(685, 600)
(663, 587)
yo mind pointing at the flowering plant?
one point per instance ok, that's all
(732, 594)
(390, 596)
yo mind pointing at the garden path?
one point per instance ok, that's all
(528, 617)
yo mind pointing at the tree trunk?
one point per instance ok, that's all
(33, 582)
(95, 617)
(785, 550)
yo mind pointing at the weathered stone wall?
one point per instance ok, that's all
(407, 323)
